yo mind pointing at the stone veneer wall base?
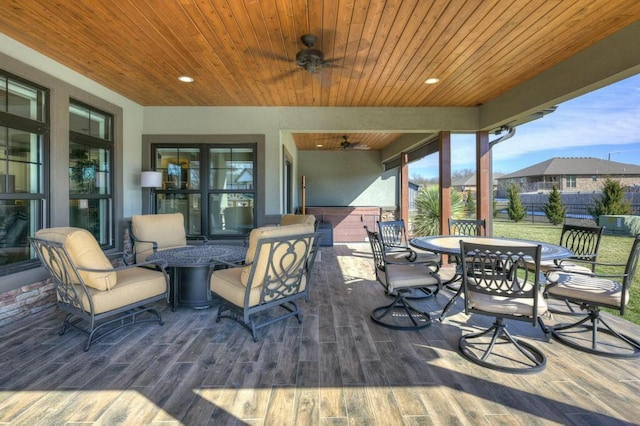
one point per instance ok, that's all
(25, 301)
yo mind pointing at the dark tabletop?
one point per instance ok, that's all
(201, 254)
(450, 244)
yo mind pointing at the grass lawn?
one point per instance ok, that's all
(613, 249)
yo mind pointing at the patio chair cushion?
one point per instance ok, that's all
(406, 276)
(583, 287)
(133, 285)
(167, 230)
(85, 252)
(267, 232)
(297, 219)
(505, 305)
(228, 285)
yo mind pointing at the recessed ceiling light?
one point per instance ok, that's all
(319, 145)
(186, 79)
(432, 80)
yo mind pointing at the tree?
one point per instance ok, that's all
(516, 211)
(611, 201)
(427, 221)
(470, 204)
(555, 209)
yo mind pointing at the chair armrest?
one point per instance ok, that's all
(162, 264)
(137, 240)
(202, 238)
(584, 274)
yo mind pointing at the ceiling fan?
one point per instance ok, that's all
(345, 144)
(312, 60)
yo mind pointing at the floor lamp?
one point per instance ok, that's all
(151, 180)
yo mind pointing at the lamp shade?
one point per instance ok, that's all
(151, 179)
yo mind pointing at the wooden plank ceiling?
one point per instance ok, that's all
(243, 52)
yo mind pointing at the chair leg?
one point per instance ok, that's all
(534, 360)
(401, 311)
(450, 303)
(622, 346)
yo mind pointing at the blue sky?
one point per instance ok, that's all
(601, 124)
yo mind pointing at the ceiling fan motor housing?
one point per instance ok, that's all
(310, 59)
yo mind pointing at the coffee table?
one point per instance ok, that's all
(190, 268)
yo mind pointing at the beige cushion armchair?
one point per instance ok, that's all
(298, 219)
(153, 232)
(98, 297)
(274, 276)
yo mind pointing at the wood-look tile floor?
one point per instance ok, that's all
(335, 368)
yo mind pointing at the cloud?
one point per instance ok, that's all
(606, 121)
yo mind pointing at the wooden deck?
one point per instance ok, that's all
(336, 368)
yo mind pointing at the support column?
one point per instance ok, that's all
(444, 145)
(484, 180)
(404, 188)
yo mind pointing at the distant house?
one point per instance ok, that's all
(413, 191)
(570, 175)
(468, 182)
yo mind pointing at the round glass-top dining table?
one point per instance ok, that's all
(450, 244)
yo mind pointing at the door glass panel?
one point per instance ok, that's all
(231, 168)
(187, 204)
(231, 213)
(180, 168)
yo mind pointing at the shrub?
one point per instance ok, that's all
(470, 204)
(555, 209)
(427, 220)
(611, 201)
(516, 210)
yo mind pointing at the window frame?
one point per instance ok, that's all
(107, 144)
(41, 198)
(205, 189)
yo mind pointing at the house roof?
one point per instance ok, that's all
(470, 180)
(562, 166)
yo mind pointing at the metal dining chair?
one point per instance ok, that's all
(461, 227)
(593, 291)
(497, 282)
(399, 279)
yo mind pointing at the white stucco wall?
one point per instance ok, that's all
(347, 178)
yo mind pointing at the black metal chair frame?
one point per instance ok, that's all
(282, 282)
(584, 242)
(393, 236)
(462, 227)
(401, 307)
(593, 321)
(71, 289)
(501, 271)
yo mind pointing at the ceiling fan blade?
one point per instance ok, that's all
(283, 76)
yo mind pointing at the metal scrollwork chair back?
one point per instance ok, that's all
(498, 283)
(274, 275)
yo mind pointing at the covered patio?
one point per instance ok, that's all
(337, 367)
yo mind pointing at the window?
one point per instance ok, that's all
(228, 187)
(571, 181)
(24, 137)
(90, 165)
